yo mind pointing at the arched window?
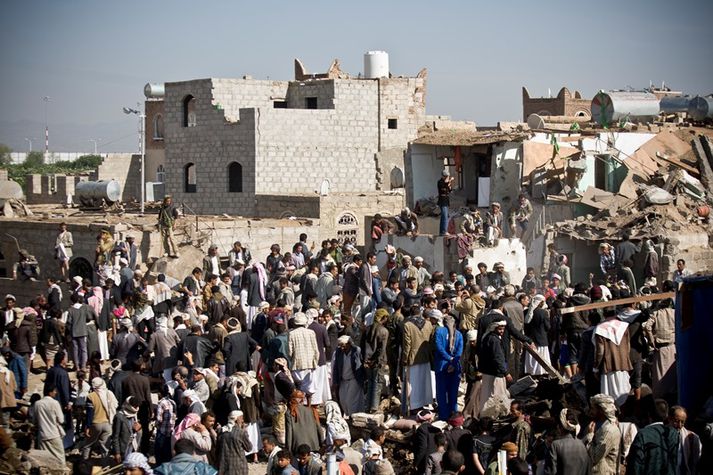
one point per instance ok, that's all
(81, 267)
(189, 178)
(158, 127)
(189, 111)
(160, 174)
(235, 178)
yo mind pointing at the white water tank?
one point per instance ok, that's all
(154, 90)
(376, 64)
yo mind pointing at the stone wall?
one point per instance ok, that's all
(402, 100)
(217, 140)
(284, 206)
(299, 148)
(26, 291)
(51, 189)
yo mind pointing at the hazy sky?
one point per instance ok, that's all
(94, 57)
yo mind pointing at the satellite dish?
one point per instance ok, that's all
(324, 188)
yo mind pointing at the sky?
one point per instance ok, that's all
(94, 57)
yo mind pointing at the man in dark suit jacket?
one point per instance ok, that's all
(137, 386)
(198, 346)
(238, 347)
(78, 315)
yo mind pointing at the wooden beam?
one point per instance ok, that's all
(690, 169)
(612, 303)
(548, 367)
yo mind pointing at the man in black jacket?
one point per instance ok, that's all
(493, 362)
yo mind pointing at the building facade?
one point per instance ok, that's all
(228, 141)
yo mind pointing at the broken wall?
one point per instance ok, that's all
(506, 173)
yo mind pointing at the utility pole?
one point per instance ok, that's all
(142, 120)
(95, 144)
(47, 99)
(30, 141)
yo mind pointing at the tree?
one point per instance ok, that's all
(5, 152)
(87, 162)
(34, 159)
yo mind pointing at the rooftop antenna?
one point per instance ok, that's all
(549, 93)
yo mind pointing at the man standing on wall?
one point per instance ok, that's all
(167, 216)
(445, 186)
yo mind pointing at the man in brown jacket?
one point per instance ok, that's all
(470, 305)
(416, 361)
(611, 360)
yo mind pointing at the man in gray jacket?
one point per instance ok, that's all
(77, 317)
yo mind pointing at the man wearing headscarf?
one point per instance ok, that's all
(233, 444)
(537, 326)
(321, 392)
(612, 356)
(651, 263)
(101, 409)
(567, 454)
(164, 343)
(302, 351)
(493, 364)
(58, 377)
(416, 362)
(125, 340)
(603, 435)
(49, 420)
(448, 348)
(374, 346)
(126, 430)
(348, 376)
(137, 461)
(661, 332)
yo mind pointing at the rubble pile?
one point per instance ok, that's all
(661, 193)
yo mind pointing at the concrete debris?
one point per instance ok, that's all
(658, 196)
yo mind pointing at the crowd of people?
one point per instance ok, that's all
(252, 359)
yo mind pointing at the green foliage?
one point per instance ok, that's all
(5, 152)
(34, 159)
(35, 165)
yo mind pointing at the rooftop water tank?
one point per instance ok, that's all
(613, 106)
(92, 193)
(376, 64)
(154, 90)
(674, 104)
(700, 108)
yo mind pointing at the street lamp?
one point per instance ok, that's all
(47, 99)
(30, 141)
(142, 118)
(95, 144)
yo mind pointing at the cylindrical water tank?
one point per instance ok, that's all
(376, 64)
(674, 104)
(610, 107)
(154, 90)
(92, 193)
(700, 108)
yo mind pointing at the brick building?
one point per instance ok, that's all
(226, 142)
(564, 104)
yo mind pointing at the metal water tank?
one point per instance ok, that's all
(154, 90)
(613, 106)
(92, 193)
(700, 108)
(376, 64)
(674, 104)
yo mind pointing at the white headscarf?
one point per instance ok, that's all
(537, 300)
(107, 398)
(337, 427)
